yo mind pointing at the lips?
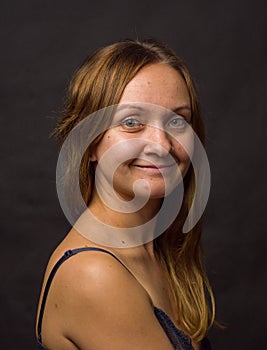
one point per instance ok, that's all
(154, 168)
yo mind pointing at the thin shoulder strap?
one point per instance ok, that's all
(66, 256)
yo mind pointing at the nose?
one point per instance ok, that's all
(159, 142)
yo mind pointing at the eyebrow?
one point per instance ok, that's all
(129, 105)
(135, 106)
(184, 107)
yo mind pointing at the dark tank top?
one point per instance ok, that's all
(178, 339)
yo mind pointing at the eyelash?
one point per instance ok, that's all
(182, 125)
(136, 124)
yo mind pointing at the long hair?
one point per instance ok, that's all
(100, 83)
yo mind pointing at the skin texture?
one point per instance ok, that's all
(94, 302)
(160, 85)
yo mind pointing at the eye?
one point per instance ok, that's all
(178, 123)
(131, 123)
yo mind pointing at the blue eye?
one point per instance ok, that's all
(178, 123)
(131, 123)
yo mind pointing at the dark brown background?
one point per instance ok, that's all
(224, 45)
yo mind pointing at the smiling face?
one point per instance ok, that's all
(146, 141)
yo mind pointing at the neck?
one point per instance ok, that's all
(120, 219)
(108, 227)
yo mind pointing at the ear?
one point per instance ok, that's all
(92, 154)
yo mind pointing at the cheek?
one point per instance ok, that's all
(114, 153)
(184, 147)
(181, 154)
(184, 155)
(123, 152)
(102, 147)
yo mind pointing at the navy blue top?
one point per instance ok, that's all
(178, 339)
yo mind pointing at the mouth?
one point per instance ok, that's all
(154, 168)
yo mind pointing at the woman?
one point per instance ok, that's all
(153, 295)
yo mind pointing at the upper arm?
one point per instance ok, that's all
(97, 304)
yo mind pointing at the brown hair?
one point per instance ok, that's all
(99, 83)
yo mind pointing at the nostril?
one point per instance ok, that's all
(158, 148)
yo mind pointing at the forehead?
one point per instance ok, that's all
(158, 84)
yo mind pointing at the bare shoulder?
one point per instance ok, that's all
(94, 274)
(94, 302)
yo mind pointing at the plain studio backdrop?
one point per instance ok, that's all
(224, 46)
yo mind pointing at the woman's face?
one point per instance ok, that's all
(147, 140)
